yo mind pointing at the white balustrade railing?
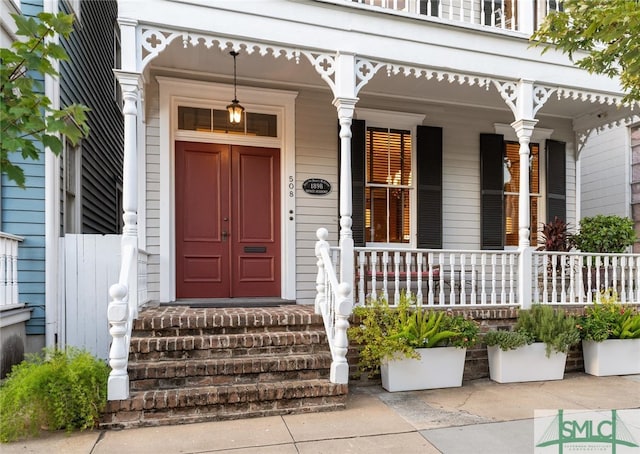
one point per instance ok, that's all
(334, 303)
(514, 15)
(121, 312)
(437, 277)
(576, 277)
(9, 294)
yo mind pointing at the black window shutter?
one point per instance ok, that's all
(492, 191)
(556, 180)
(429, 184)
(358, 169)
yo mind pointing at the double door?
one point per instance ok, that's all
(227, 200)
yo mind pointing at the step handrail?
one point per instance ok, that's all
(121, 312)
(334, 303)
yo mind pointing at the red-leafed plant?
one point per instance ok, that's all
(555, 236)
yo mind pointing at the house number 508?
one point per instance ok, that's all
(291, 185)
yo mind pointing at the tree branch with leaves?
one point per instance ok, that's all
(601, 36)
(27, 115)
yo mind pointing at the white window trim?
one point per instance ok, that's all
(409, 122)
(175, 92)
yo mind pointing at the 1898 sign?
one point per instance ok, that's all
(316, 186)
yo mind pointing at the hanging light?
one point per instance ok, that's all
(235, 109)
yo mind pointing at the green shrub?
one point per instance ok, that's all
(508, 340)
(541, 323)
(604, 234)
(54, 390)
(609, 319)
(385, 332)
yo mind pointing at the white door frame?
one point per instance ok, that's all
(175, 92)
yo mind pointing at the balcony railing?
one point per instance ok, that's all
(9, 269)
(516, 15)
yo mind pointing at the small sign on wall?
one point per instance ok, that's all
(316, 186)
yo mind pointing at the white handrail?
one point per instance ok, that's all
(334, 303)
(121, 312)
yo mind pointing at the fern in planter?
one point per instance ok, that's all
(58, 389)
(541, 323)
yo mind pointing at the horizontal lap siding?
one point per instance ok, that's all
(605, 167)
(88, 79)
(152, 161)
(316, 157)
(23, 214)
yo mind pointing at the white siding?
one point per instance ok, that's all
(316, 157)
(153, 189)
(605, 173)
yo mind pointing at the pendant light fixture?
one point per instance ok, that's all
(235, 109)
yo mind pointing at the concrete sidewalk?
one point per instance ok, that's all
(480, 417)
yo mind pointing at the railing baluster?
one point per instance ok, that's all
(431, 292)
(374, 272)
(463, 293)
(407, 264)
(452, 279)
(474, 283)
(396, 277)
(419, 270)
(442, 266)
(503, 278)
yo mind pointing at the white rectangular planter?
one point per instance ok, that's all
(611, 357)
(438, 367)
(527, 363)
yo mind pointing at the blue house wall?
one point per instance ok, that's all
(23, 215)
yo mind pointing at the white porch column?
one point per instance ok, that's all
(345, 115)
(130, 84)
(523, 126)
(345, 101)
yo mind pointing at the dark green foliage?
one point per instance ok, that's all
(386, 332)
(604, 234)
(508, 340)
(600, 36)
(541, 323)
(609, 319)
(27, 116)
(56, 390)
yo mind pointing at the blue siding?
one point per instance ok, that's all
(23, 214)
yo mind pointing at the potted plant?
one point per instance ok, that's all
(554, 237)
(602, 235)
(536, 349)
(610, 337)
(413, 348)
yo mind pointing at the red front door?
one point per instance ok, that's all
(227, 221)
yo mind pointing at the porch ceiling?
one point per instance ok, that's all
(212, 64)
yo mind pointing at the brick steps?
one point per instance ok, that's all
(201, 364)
(224, 346)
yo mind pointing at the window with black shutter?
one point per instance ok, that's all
(383, 182)
(500, 191)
